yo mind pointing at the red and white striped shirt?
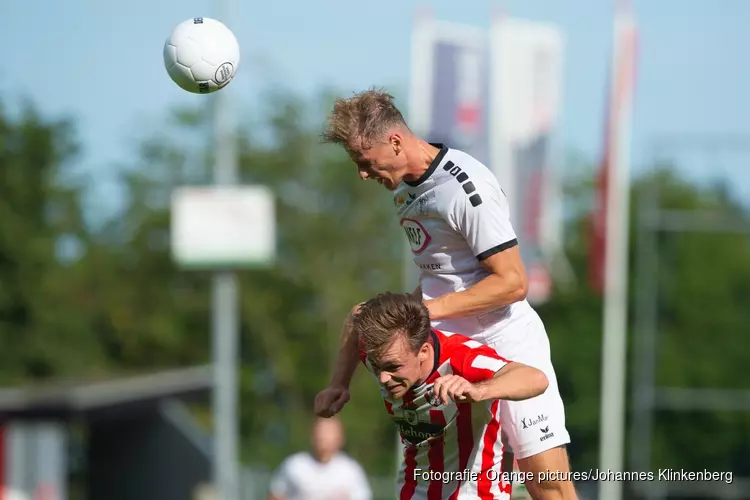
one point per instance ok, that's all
(451, 451)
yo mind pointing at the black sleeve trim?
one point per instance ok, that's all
(502, 246)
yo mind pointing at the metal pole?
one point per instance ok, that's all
(614, 344)
(644, 358)
(225, 310)
(418, 116)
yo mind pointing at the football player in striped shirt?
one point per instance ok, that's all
(472, 279)
(442, 390)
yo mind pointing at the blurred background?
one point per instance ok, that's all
(106, 357)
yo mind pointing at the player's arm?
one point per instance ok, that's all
(332, 399)
(479, 374)
(348, 356)
(507, 284)
(514, 382)
(487, 229)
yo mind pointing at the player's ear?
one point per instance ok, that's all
(424, 352)
(396, 143)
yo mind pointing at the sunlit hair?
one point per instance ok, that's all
(362, 119)
(389, 316)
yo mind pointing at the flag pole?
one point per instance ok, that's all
(614, 345)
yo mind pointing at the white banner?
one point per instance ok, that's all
(526, 85)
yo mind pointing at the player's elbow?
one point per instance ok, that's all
(538, 382)
(523, 288)
(518, 284)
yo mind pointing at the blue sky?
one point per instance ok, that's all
(101, 62)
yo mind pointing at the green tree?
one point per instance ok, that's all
(703, 297)
(338, 244)
(42, 235)
(78, 302)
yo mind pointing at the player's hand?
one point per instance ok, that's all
(330, 401)
(458, 389)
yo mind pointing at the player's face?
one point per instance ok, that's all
(382, 161)
(400, 368)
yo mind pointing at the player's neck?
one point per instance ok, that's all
(425, 154)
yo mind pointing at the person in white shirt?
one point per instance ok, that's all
(472, 279)
(324, 473)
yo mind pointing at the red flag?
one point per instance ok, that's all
(619, 96)
(599, 222)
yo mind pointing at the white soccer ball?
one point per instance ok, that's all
(201, 55)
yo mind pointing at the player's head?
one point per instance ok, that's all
(326, 438)
(394, 330)
(374, 133)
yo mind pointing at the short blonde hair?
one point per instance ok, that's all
(364, 117)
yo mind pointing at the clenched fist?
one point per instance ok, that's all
(458, 389)
(330, 401)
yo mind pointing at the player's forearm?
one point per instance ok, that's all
(514, 382)
(348, 355)
(490, 293)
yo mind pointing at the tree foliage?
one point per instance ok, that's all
(80, 302)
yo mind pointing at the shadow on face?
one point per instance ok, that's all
(385, 162)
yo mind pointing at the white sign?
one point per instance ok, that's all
(223, 227)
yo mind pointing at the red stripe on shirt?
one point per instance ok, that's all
(410, 482)
(435, 457)
(491, 435)
(465, 434)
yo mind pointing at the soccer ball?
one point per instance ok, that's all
(201, 55)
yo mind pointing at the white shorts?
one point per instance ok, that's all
(537, 424)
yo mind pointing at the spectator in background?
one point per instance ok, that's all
(324, 473)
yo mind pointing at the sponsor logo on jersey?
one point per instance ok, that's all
(416, 234)
(416, 434)
(411, 417)
(431, 267)
(433, 398)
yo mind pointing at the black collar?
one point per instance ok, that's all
(439, 158)
(435, 361)
(435, 352)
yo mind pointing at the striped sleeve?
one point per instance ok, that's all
(477, 362)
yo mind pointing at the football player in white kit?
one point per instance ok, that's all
(472, 278)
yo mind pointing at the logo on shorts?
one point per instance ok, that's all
(547, 434)
(531, 422)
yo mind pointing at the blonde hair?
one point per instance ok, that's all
(362, 119)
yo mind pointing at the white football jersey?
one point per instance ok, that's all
(302, 477)
(455, 215)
